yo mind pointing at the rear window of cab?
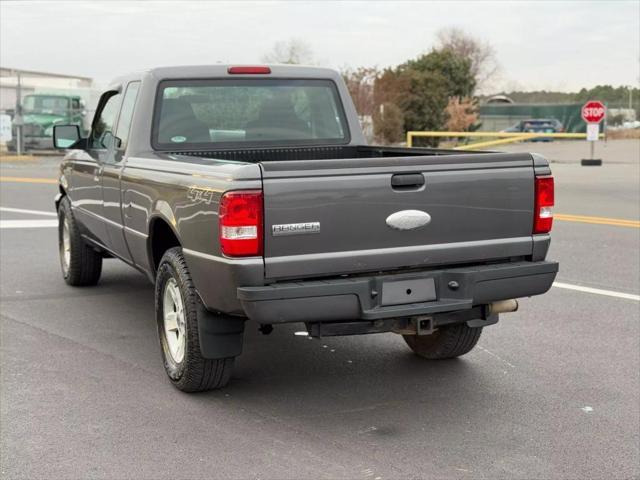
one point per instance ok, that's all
(207, 114)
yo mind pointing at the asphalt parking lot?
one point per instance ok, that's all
(552, 391)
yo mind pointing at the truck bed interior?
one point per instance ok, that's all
(314, 153)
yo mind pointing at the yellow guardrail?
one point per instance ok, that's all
(503, 137)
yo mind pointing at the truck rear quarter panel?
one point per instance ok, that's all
(184, 193)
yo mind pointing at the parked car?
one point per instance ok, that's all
(538, 125)
(250, 193)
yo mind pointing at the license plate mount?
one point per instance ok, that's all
(415, 290)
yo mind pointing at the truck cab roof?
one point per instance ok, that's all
(222, 70)
(208, 71)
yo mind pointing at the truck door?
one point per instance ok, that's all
(111, 174)
(86, 192)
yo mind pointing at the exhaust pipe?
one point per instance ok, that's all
(503, 306)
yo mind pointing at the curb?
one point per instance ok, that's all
(17, 158)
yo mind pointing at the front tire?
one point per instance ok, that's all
(81, 265)
(449, 341)
(178, 311)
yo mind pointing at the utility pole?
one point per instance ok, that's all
(17, 118)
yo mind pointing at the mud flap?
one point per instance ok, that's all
(221, 336)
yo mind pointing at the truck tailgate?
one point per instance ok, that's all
(331, 217)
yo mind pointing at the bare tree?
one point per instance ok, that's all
(462, 114)
(484, 65)
(294, 51)
(360, 83)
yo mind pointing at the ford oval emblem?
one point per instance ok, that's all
(408, 219)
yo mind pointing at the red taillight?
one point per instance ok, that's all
(543, 213)
(241, 223)
(249, 70)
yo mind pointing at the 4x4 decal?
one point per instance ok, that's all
(203, 195)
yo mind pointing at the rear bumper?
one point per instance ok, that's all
(361, 298)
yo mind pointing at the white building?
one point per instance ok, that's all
(36, 82)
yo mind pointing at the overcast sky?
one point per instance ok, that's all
(539, 45)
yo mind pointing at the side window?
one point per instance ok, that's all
(126, 114)
(102, 131)
(75, 104)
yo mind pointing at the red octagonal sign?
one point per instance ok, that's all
(593, 111)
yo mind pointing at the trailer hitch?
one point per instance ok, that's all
(421, 325)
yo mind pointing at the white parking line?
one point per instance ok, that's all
(597, 291)
(32, 212)
(28, 223)
(496, 356)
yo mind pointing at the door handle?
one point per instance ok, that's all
(407, 181)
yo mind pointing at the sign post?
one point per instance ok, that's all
(593, 112)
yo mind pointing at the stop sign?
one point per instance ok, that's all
(593, 111)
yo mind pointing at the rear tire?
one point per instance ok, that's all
(178, 311)
(446, 342)
(81, 265)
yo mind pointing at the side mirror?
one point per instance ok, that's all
(64, 136)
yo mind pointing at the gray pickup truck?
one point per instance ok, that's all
(250, 192)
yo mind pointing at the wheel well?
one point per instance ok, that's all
(162, 239)
(59, 198)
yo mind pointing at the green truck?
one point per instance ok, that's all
(40, 112)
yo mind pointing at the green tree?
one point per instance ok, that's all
(614, 97)
(426, 85)
(424, 100)
(421, 89)
(453, 67)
